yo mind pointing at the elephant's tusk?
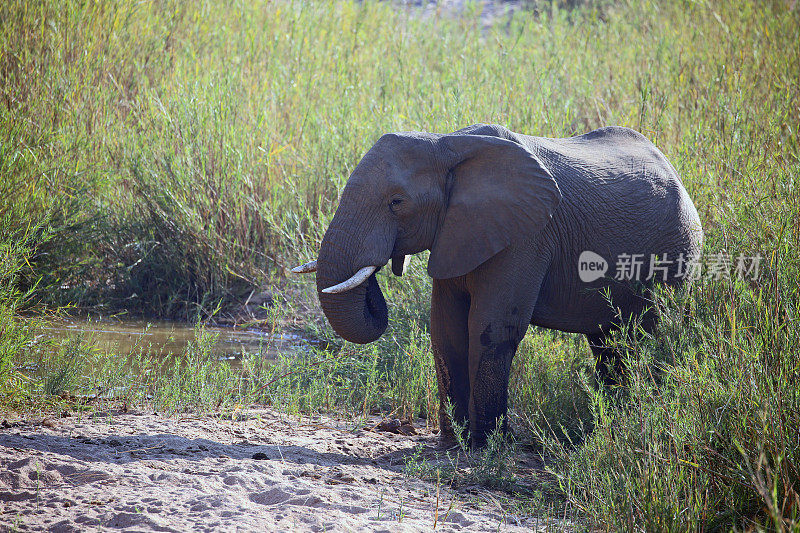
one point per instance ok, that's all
(357, 279)
(311, 266)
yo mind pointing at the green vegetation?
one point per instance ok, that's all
(168, 158)
(491, 466)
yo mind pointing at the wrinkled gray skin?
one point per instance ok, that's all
(505, 217)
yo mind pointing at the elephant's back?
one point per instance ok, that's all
(613, 156)
(615, 178)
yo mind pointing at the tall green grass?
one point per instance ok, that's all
(706, 435)
(168, 158)
(211, 139)
(15, 334)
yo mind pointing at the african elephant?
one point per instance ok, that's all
(518, 229)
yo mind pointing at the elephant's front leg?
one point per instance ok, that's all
(493, 343)
(500, 312)
(449, 340)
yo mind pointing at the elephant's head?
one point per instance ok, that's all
(464, 197)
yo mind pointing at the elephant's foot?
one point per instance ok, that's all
(478, 440)
(446, 442)
(447, 432)
(472, 439)
(480, 437)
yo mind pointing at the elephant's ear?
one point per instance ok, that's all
(498, 191)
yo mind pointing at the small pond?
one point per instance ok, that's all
(164, 337)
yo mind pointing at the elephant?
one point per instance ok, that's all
(521, 230)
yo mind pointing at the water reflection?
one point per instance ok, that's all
(162, 337)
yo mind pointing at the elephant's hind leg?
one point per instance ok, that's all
(609, 360)
(609, 366)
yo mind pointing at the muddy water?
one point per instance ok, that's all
(164, 337)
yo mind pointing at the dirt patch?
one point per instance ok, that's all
(268, 471)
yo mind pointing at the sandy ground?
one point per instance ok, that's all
(268, 471)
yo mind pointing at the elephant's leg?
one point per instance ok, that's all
(608, 361)
(500, 312)
(493, 343)
(449, 340)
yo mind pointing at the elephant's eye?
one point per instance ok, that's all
(395, 202)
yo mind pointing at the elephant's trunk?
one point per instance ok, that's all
(359, 314)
